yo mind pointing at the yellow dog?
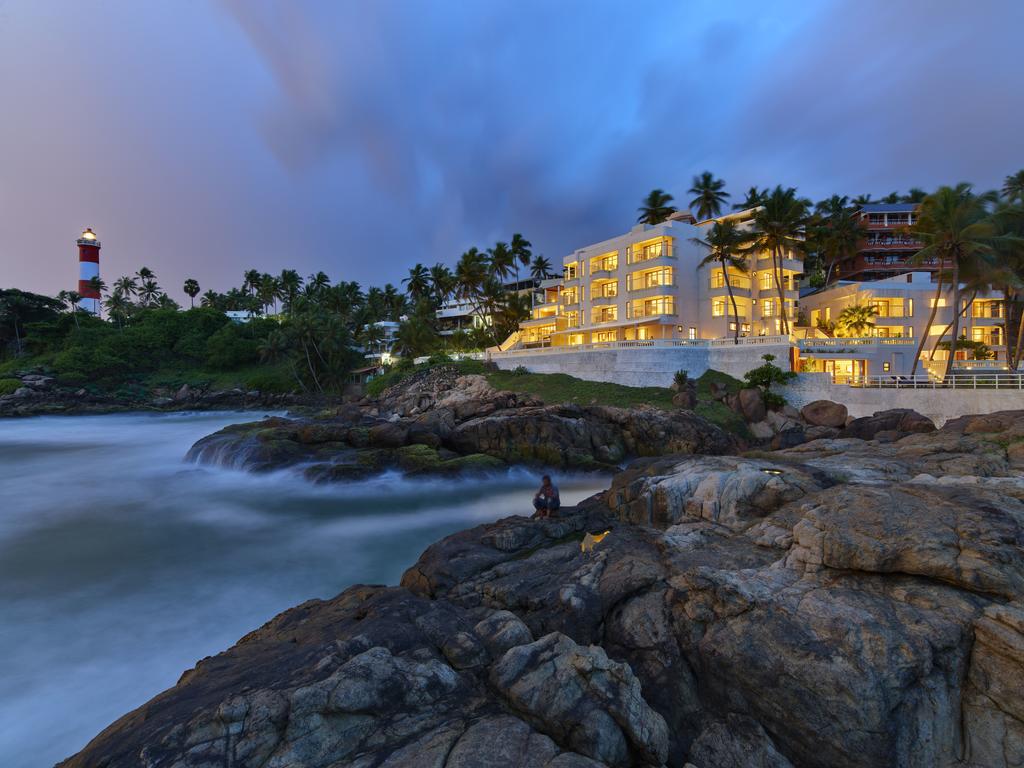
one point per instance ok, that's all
(591, 540)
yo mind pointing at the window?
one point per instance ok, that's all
(718, 308)
(769, 308)
(692, 334)
(932, 302)
(570, 271)
(886, 367)
(606, 336)
(604, 314)
(766, 281)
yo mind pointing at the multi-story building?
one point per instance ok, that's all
(902, 308)
(888, 247)
(648, 284)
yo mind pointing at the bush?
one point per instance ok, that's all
(378, 384)
(230, 348)
(765, 376)
(681, 379)
(439, 358)
(7, 386)
(520, 370)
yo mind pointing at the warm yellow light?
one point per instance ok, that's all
(88, 234)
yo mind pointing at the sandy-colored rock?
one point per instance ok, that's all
(824, 413)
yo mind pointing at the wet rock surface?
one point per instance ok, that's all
(841, 603)
(439, 422)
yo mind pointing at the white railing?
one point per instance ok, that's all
(956, 381)
(645, 344)
(862, 341)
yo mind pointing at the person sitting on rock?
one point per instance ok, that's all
(546, 501)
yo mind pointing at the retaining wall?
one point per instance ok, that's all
(647, 366)
(939, 405)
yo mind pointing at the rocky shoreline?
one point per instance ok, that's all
(440, 422)
(845, 602)
(41, 394)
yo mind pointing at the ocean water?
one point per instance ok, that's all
(121, 565)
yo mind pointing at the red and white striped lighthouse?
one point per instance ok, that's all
(88, 268)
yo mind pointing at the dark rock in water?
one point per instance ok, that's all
(841, 604)
(468, 426)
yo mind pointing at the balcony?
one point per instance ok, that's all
(651, 291)
(603, 298)
(570, 299)
(736, 281)
(635, 313)
(890, 242)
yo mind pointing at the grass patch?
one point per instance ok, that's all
(8, 386)
(266, 378)
(555, 388)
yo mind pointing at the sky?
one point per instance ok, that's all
(202, 138)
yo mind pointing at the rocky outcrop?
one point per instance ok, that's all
(443, 423)
(845, 603)
(44, 394)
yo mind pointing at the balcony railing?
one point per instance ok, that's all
(665, 311)
(736, 281)
(646, 343)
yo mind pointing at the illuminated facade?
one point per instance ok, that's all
(648, 285)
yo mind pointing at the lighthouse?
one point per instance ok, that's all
(88, 268)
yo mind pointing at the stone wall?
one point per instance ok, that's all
(937, 404)
(647, 366)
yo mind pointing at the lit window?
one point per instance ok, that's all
(718, 308)
(885, 367)
(693, 333)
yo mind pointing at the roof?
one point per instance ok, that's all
(890, 207)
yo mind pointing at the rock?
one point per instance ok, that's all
(821, 433)
(37, 381)
(161, 402)
(761, 430)
(685, 399)
(184, 393)
(388, 435)
(751, 404)
(896, 419)
(824, 413)
(736, 742)
(501, 631)
(584, 699)
(787, 438)
(23, 392)
(718, 390)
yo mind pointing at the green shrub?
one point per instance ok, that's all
(439, 358)
(230, 347)
(681, 379)
(520, 370)
(7, 386)
(377, 385)
(765, 376)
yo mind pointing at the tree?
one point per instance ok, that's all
(914, 195)
(145, 274)
(857, 319)
(470, 274)
(892, 198)
(318, 282)
(149, 291)
(118, 306)
(656, 207)
(1013, 188)
(781, 222)
(728, 246)
(191, 289)
(521, 252)
(291, 283)
(500, 260)
(767, 375)
(127, 286)
(418, 282)
(709, 195)
(955, 229)
(540, 268)
(835, 233)
(753, 199)
(862, 200)
(212, 299)
(19, 308)
(70, 300)
(442, 283)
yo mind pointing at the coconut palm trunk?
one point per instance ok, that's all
(1020, 338)
(956, 317)
(928, 325)
(963, 313)
(732, 301)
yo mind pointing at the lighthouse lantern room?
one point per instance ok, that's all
(88, 269)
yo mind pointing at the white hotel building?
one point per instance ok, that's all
(647, 286)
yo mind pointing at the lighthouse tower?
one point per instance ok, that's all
(88, 268)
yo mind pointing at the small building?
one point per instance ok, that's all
(888, 248)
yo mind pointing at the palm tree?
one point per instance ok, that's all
(148, 292)
(191, 289)
(781, 221)
(836, 234)
(290, 282)
(856, 319)
(709, 195)
(145, 274)
(117, 307)
(832, 205)
(470, 274)
(442, 283)
(251, 281)
(521, 252)
(861, 200)
(418, 282)
(655, 207)
(1013, 187)
(318, 282)
(540, 268)
(394, 302)
(753, 199)
(371, 337)
(914, 195)
(956, 230)
(211, 299)
(728, 246)
(127, 286)
(892, 198)
(501, 260)
(70, 300)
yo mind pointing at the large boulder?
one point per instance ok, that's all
(751, 404)
(897, 420)
(586, 700)
(824, 413)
